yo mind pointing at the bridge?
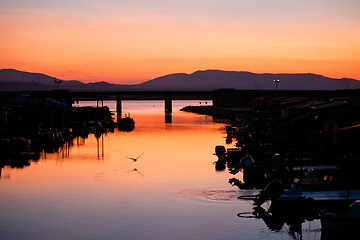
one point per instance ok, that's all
(221, 98)
(166, 96)
(70, 97)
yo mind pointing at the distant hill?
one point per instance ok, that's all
(12, 80)
(215, 79)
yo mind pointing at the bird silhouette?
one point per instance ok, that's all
(135, 159)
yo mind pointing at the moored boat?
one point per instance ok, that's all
(126, 124)
(341, 220)
(308, 200)
(317, 199)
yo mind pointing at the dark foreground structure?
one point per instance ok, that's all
(304, 131)
(30, 126)
(303, 152)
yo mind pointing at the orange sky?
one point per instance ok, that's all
(122, 42)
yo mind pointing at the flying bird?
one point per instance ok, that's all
(135, 159)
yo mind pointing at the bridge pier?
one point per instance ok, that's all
(100, 98)
(118, 107)
(168, 104)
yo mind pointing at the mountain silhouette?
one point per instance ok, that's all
(12, 80)
(215, 79)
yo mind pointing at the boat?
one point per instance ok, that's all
(127, 123)
(347, 220)
(220, 151)
(306, 200)
(318, 200)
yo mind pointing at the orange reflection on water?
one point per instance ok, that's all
(182, 148)
(171, 154)
(94, 187)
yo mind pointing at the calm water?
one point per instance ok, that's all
(92, 190)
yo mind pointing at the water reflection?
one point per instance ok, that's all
(276, 219)
(100, 142)
(168, 117)
(20, 152)
(89, 188)
(135, 170)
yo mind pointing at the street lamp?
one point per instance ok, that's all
(276, 81)
(57, 83)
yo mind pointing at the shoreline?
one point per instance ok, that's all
(224, 113)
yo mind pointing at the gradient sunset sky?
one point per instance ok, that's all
(134, 41)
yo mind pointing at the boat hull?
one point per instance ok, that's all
(317, 200)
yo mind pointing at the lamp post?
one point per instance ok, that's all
(276, 81)
(57, 84)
